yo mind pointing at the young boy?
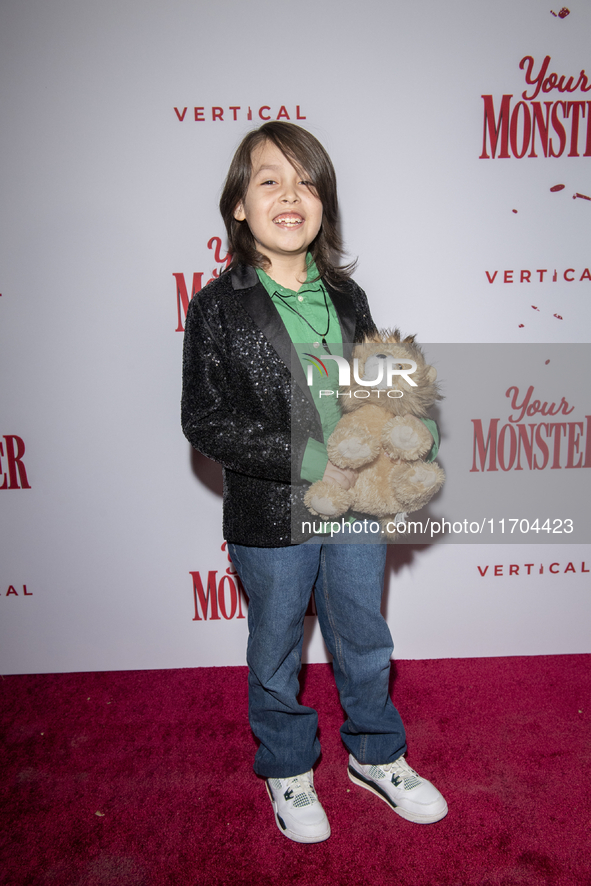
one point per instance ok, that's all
(280, 209)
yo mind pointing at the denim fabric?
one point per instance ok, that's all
(349, 583)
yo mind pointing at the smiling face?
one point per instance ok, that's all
(280, 208)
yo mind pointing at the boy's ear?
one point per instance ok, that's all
(239, 214)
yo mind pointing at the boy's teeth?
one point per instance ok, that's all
(288, 221)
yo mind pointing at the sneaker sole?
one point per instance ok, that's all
(291, 835)
(359, 779)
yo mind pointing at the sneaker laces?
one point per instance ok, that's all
(302, 787)
(400, 771)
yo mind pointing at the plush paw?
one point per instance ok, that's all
(352, 450)
(327, 499)
(415, 484)
(406, 437)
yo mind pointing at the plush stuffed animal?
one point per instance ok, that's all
(382, 436)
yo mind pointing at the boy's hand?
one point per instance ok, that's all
(344, 477)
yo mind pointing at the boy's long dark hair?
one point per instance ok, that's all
(308, 156)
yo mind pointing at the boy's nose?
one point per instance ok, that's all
(290, 195)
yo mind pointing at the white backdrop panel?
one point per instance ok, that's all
(107, 193)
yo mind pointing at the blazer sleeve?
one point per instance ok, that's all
(218, 416)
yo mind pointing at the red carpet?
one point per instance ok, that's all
(145, 779)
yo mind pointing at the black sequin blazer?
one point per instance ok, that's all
(237, 399)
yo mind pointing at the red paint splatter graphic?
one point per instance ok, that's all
(515, 211)
(547, 361)
(535, 309)
(582, 196)
(562, 14)
(558, 317)
(521, 325)
(555, 277)
(557, 188)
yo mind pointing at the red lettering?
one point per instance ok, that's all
(543, 447)
(536, 81)
(508, 277)
(554, 571)
(525, 277)
(283, 113)
(234, 109)
(543, 127)
(182, 296)
(588, 443)
(498, 570)
(491, 279)
(218, 257)
(576, 108)
(541, 273)
(27, 593)
(11, 591)
(570, 568)
(513, 570)
(501, 449)
(217, 113)
(585, 275)
(532, 409)
(15, 449)
(528, 445)
(588, 144)
(562, 407)
(483, 573)
(181, 116)
(205, 597)
(583, 567)
(515, 405)
(557, 429)
(514, 129)
(199, 113)
(569, 271)
(500, 127)
(261, 115)
(573, 444)
(558, 128)
(222, 597)
(483, 448)
(298, 115)
(529, 567)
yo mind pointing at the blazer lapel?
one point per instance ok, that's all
(258, 304)
(346, 312)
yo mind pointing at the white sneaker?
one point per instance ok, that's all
(411, 796)
(298, 811)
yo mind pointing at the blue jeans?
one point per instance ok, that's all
(349, 583)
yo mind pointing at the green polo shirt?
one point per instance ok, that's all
(309, 316)
(312, 303)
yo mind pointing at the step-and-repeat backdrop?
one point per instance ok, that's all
(461, 135)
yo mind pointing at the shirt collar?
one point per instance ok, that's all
(313, 282)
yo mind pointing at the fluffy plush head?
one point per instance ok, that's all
(372, 359)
